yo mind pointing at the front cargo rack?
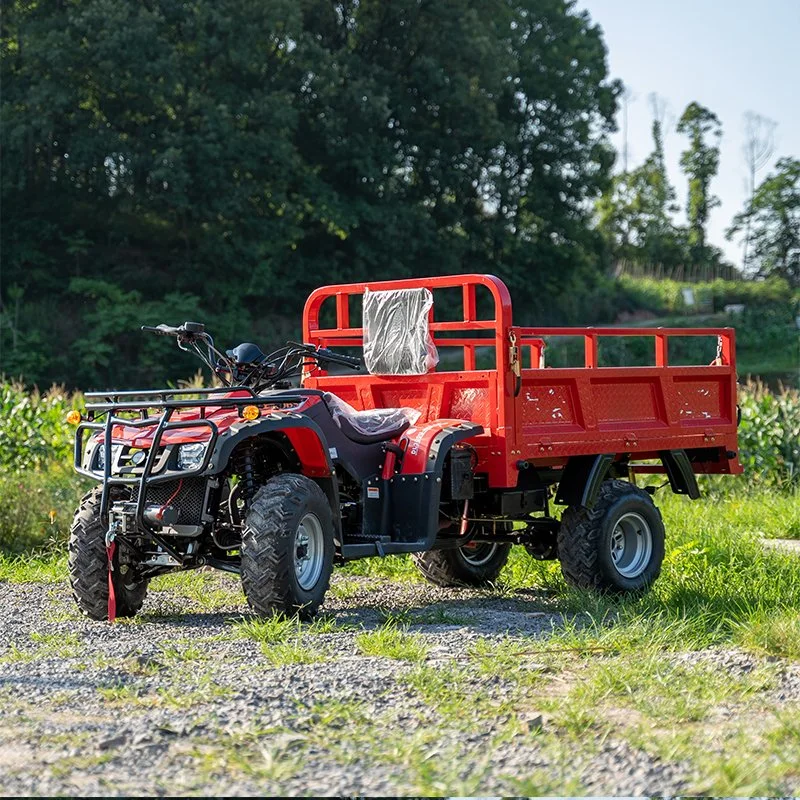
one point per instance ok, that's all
(167, 402)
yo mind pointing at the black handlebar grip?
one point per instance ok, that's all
(338, 358)
(160, 330)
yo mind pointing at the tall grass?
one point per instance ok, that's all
(769, 435)
(33, 432)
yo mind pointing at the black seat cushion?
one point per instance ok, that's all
(383, 435)
(368, 427)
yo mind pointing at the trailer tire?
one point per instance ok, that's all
(87, 562)
(616, 546)
(457, 567)
(287, 547)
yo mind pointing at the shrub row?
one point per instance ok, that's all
(664, 297)
(769, 435)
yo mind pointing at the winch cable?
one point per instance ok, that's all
(161, 510)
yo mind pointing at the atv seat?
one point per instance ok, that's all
(369, 427)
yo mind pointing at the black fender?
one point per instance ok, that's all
(280, 423)
(581, 480)
(582, 477)
(682, 479)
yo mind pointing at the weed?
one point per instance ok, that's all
(294, 651)
(775, 632)
(390, 641)
(269, 630)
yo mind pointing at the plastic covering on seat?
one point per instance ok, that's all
(397, 340)
(376, 425)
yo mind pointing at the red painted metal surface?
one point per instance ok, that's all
(556, 412)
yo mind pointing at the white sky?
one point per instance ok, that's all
(729, 55)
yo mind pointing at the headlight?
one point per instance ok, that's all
(190, 456)
(116, 449)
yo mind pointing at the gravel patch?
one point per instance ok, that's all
(180, 702)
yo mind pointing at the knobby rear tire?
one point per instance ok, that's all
(87, 561)
(451, 568)
(584, 540)
(269, 576)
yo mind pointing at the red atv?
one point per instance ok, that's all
(277, 482)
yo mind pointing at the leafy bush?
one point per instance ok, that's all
(769, 435)
(36, 507)
(663, 296)
(33, 430)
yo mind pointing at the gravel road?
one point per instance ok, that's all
(183, 703)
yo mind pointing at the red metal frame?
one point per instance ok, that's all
(536, 413)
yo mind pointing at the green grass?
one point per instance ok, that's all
(391, 641)
(285, 640)
(717, 577)
(36, 507)
(201, 591)
(776, 633)
(391, 567)
(46, 567)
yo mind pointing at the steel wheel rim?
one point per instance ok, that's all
(631, 545)
(479, 553)
(309, 551)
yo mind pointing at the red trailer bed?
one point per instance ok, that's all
(533, 414)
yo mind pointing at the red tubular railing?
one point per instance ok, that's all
(345, 335)
(531, 337)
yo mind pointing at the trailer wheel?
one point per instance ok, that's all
(87, 562)
(617, 545)
(472, 565)
(287, 547)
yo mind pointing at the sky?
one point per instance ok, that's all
(731, 56)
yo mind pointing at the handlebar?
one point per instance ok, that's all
(189, 331)
(162, 330)
(267, 371)
(323, 354)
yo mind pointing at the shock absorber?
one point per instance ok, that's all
(245, 467)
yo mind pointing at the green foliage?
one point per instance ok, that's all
(634, 214)
(217, 160)
(774, 216)
(700, 162)
(769, 435)
(36, 507)
(664, 297)
(33, 428)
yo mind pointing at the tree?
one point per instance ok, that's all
(773, 217)
(635, 215)
(219, 158)
(759, 144)
(700, 162)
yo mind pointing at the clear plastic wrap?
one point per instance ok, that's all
(396, 336)
(370, 423)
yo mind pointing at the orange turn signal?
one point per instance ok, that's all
(250, 412)
(74, 417)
